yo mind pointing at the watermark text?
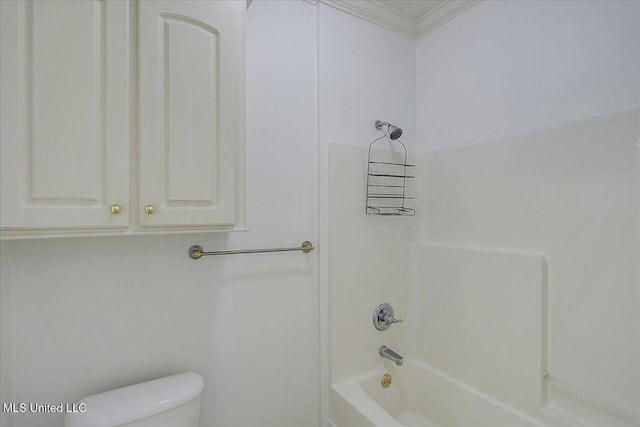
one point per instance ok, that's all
(43, 408)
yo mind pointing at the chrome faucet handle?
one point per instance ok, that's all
(388, 318)
(383, 317)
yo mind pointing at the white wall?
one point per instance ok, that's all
(505, 68)
(90, 314)
(5, 329)
(517, 73)
(366, 73)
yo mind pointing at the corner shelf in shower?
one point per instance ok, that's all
(387, 181)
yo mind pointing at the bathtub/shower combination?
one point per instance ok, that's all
(478, 353)
(419, 396)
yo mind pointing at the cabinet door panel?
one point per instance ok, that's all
(65, 143)
(190, 120)
(191, 82)
(64, 114)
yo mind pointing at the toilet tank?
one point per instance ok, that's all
(166, 402)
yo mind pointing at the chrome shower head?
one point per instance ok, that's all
(394, 131)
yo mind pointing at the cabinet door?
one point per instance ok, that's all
(64, 116)
(190, 108)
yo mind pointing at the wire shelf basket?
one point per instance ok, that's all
(387, 176)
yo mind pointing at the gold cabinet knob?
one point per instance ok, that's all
(149, 209)
(116, 209)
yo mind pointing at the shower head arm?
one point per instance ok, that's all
(380, 123)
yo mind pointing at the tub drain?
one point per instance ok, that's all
(386, 380)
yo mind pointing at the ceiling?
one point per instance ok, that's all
(414, 8)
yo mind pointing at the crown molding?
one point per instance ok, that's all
(441, 14)
(377, 13)
(313, 2)
(381, 14)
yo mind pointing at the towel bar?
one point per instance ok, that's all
(196, 251)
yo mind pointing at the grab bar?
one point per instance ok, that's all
(196, 251)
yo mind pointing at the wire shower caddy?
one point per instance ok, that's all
(387, 175)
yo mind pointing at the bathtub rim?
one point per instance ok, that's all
(352, 392)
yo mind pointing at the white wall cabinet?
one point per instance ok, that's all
(190, 63)
(71, 159)
(64, 114)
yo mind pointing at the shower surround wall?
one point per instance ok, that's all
(529, 124)
(570, 194)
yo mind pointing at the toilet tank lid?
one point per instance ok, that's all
(138, 401)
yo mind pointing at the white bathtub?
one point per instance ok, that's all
(419, 396)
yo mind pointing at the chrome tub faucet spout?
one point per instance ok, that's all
(387, 353)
